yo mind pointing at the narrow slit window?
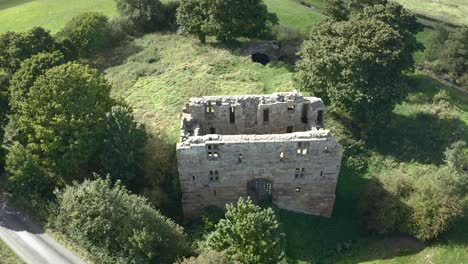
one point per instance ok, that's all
(214, 192)
(320, 118)
(193, 177)
(232, 114)
(321, 173)
(266, 115)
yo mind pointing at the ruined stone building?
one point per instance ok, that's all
(271, 147)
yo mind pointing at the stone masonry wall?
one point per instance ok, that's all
(215, 169)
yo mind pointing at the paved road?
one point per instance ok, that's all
(29, 241)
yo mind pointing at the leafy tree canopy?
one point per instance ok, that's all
(454, 56)
(122, 153)
(27, 74)
(61, 120)
(121, 227)
(88, 31)
(16, 47)
(145, 14)
(249, 234)
(357, 64)
(226, 20)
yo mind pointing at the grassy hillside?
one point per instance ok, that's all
(158, 73)
(21, 15)
(453, 11)
(7, 256)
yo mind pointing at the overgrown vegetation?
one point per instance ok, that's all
(117, 226)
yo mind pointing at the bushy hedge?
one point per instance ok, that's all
(422, 203)
(117, 226)
(88, 32)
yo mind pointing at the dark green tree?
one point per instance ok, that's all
(16, 47)
(193, 18)
(439, 36)
(62, 120)
(336, 10)
(88, 31)
(353, 65)
(226, 20)
(230, 19)
(122, 152)
(147, 15)
(454, 56)
(30, 70)
(120, 226)
(249, 234)
(358, 65)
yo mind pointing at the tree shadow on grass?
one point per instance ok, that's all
(422, 137)
(5, 4)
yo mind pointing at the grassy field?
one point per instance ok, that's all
(156, 74)
(453, 11)
(7, 256)
(21, 15)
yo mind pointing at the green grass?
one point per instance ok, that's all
(294, 15)
(21, 15)
(156, 74)
(7, 256)
(453, 11)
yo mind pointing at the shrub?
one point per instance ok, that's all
(119, 28)
(120, 225)
(249, 234)
(88, 32)
(16, 47)
(456, 156)
(433, 210)
(423, 203)
(146, 15)
(26, 177)
(209, 257)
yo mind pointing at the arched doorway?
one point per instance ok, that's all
(259, 190)
(260, 58)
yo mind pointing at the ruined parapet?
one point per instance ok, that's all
(263, 146)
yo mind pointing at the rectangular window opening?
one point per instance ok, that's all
(281, 156)
(302, 148)
(291, 106)
(319, 122)
(232, 114)
(266, 115)
(212, 151)
(209, 107)
(289, 129)
(239, 157)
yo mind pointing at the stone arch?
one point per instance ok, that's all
(261, 58)
(260, 190)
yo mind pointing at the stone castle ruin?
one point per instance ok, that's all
(269, 147)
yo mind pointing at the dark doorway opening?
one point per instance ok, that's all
(212, 130)
(260, 58)
(259, 190)
(305, 111)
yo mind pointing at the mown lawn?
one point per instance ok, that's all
(21, 15)
(7, 256)
(453, 11)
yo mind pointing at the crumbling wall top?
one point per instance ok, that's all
(262, 99)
